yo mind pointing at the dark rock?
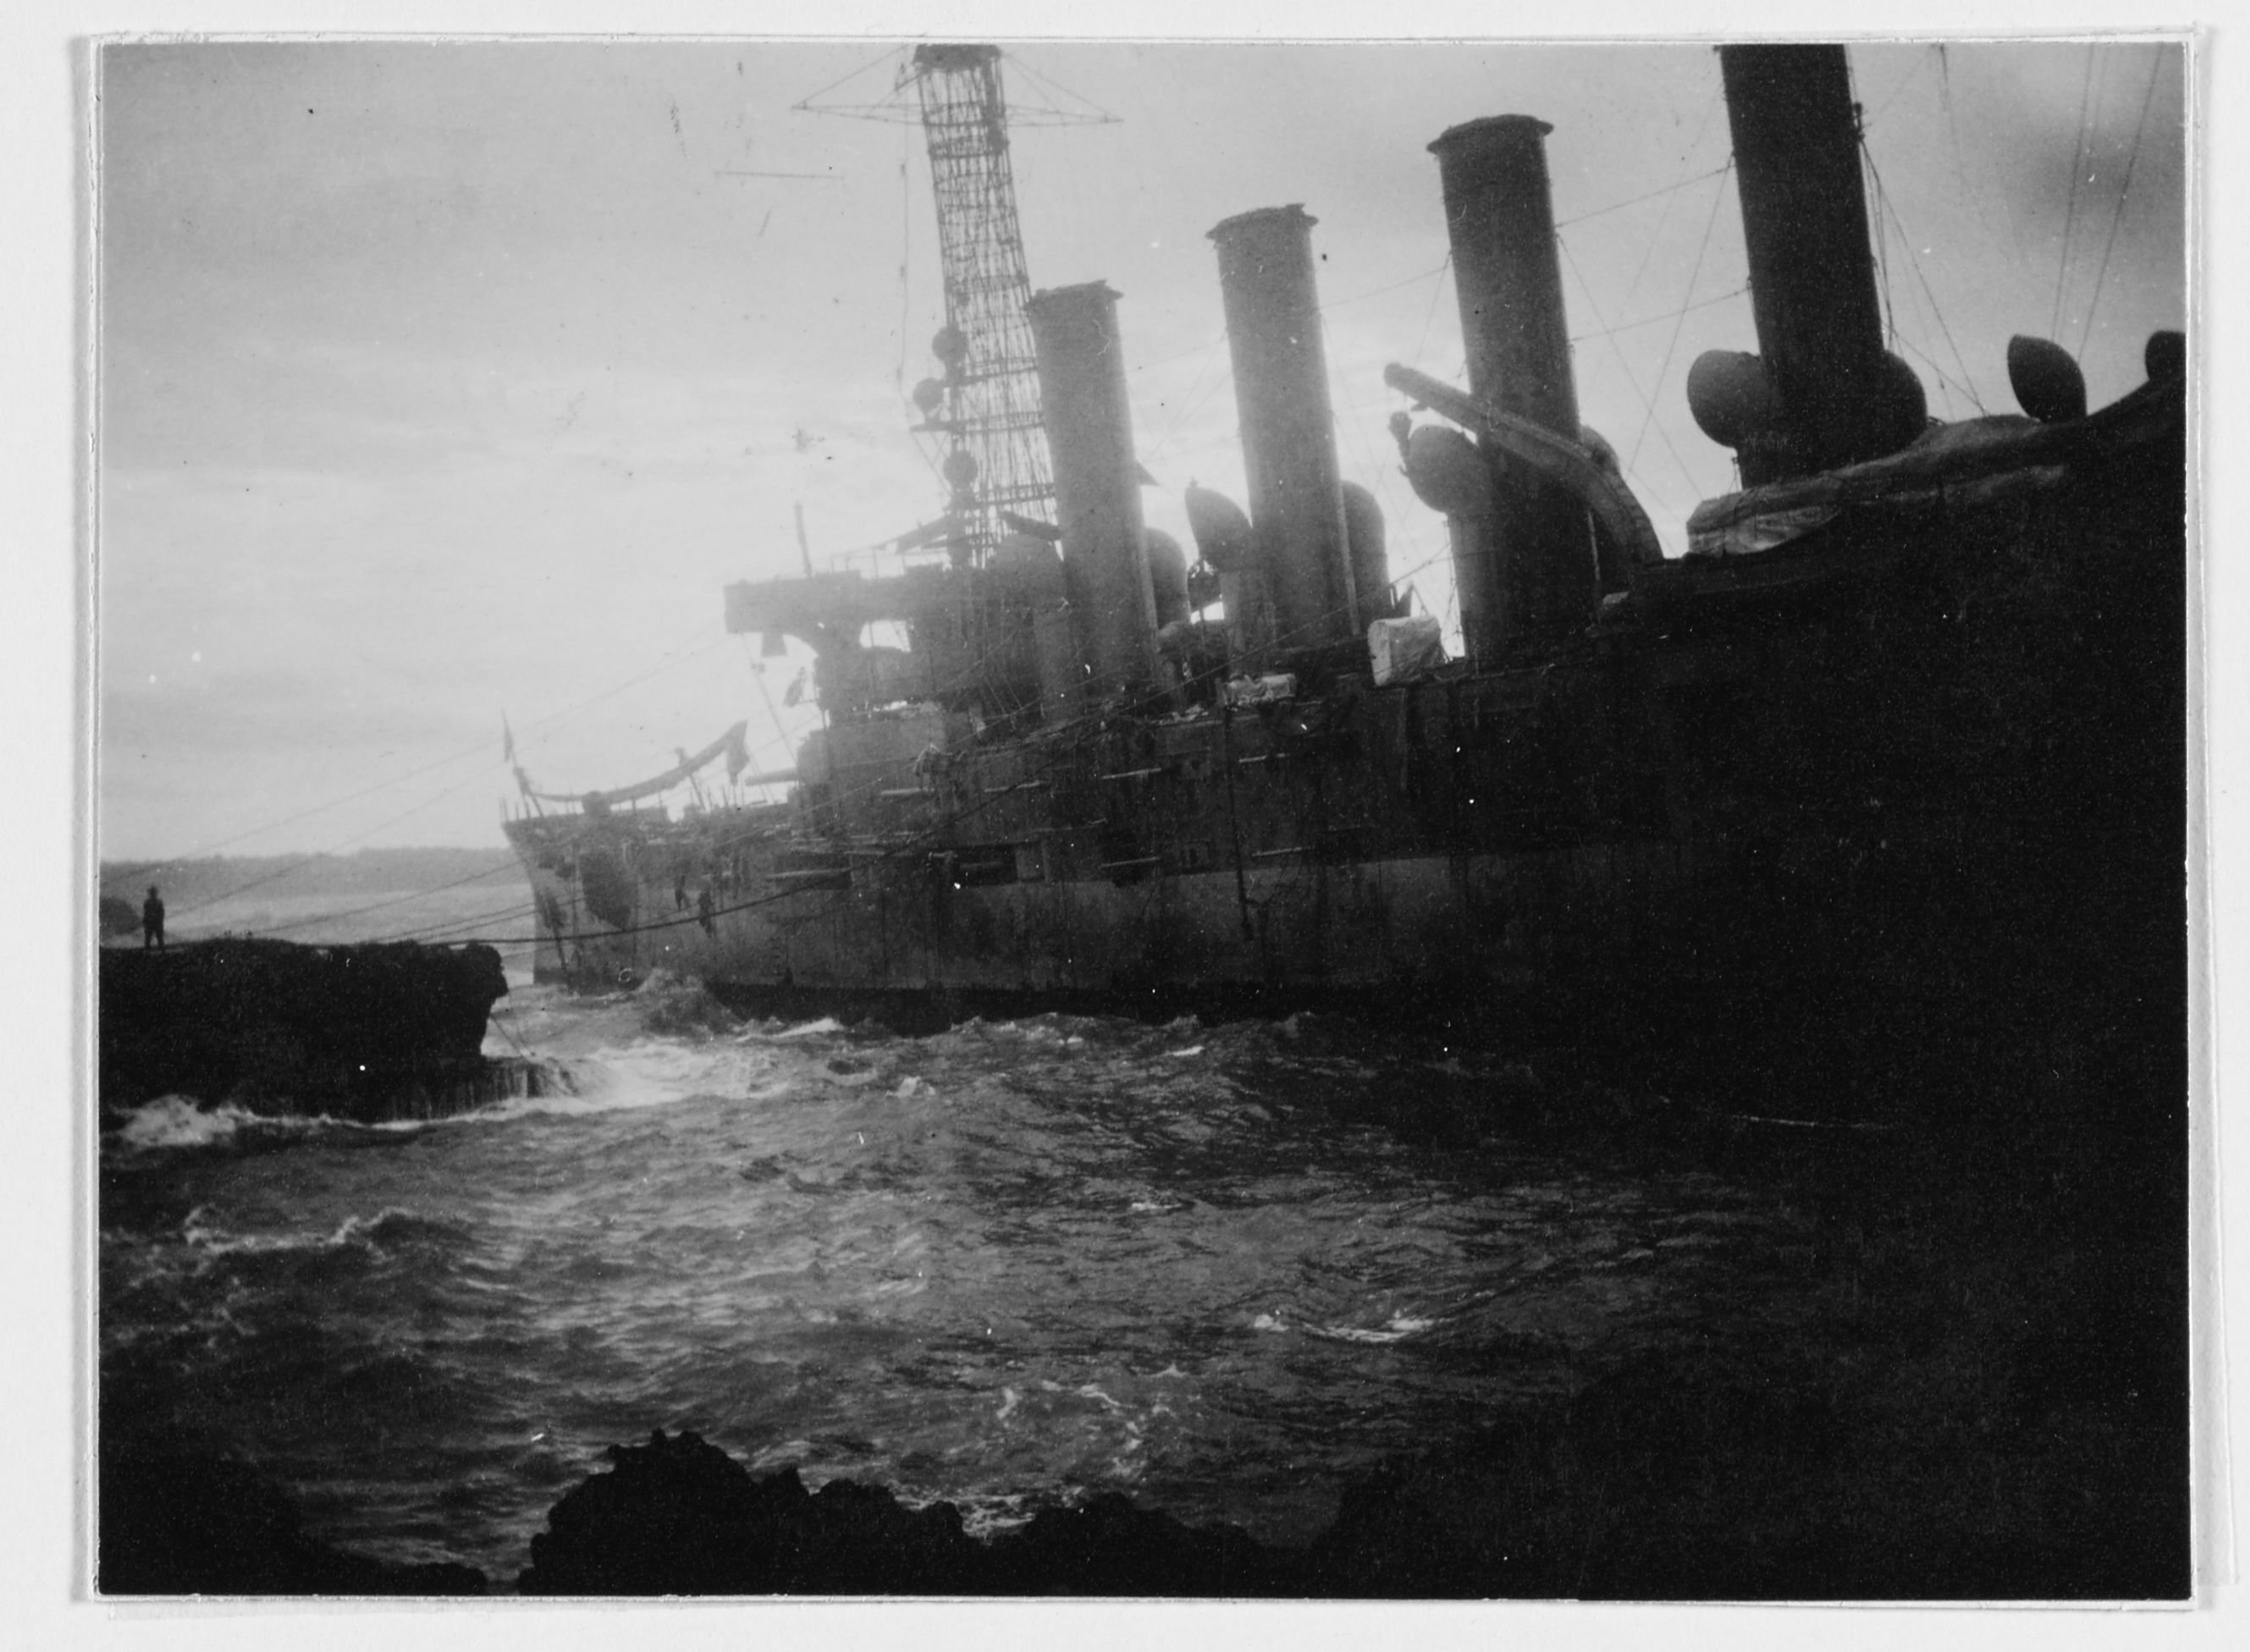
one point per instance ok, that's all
(678, 1516)
(681, 1516)
(1108, 1546)
(376, 1031)
(188, 1522)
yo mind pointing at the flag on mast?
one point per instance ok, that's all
(507, 740)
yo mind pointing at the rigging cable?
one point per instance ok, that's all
(1192, 400)
(806, 102)
(1609, 334)
(361, 836)
(1882, 240)
(1436, 292)
(2070, 213)
(1944, 379)
(1874, 204)
(1620, 206)
(1966, 382)
(396, 900)
(1921, 62)
(1702, 247)
(1177, 355)
(1099, 117)
(356, 839)
(1714, 101)
(1376, 293)
(1606, 332)
(2117, 215)
(444, 932)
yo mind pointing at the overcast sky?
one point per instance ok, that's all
(441, 381)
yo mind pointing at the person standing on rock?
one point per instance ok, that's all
(152, 921)
(704, 910)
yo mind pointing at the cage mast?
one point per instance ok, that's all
(989, 409)
(983, 402)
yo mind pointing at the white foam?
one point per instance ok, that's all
(365, 1229)
(1400, 1327)
(884, 1289)
(205, 1236)
(216, 1241)
(180, 1121)
(647, 1072)
(825, 1024)
(566, 1106)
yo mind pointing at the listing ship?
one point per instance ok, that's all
(1905, 727)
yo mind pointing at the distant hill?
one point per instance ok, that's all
(369, 872)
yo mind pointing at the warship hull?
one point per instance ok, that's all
(1880, 757)
(1904, 730)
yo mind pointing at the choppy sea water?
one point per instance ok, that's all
(1014, 1262)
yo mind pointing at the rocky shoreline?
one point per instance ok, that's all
(1652, 1483)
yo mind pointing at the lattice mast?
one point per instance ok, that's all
(987, 401)
(984, 402)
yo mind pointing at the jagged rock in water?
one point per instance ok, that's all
(681, 1516)
(678, 1516)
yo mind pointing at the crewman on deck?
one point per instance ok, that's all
(152, 920)
(704, 910)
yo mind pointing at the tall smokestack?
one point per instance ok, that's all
(1840, 397)
(1097, 483)
(1501, 216)
(1288, 433)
